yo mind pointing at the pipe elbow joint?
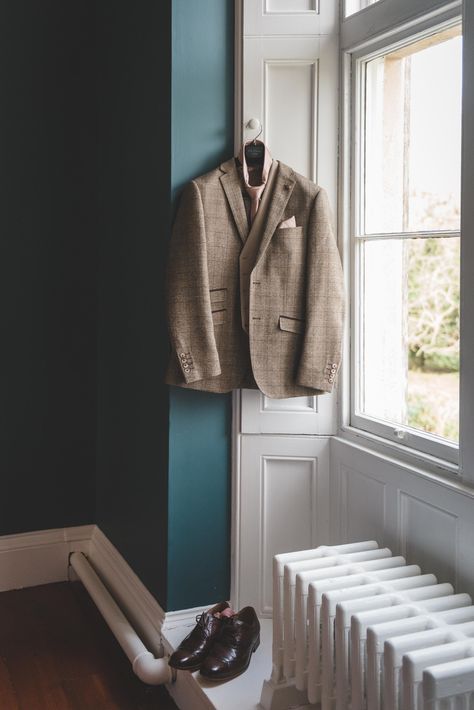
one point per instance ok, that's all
(151, 670)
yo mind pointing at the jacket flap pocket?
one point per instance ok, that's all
(218, 295)
(292, 325)
(219, 316)
(290, 231)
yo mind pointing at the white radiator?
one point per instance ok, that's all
(355, 627)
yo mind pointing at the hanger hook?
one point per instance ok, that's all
(258, 135)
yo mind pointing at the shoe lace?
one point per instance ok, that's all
(198, 631)
(200, 627)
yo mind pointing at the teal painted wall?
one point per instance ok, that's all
(199, 456)
(47, 265)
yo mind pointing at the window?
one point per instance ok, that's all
(352, 6)
(407, 242)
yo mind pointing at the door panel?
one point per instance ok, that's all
(290, 17)
(284, 491)
(289, 86)
(298, 415)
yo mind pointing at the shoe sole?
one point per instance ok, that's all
(229, 676)
(191, 669)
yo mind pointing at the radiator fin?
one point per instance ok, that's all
(356, 627)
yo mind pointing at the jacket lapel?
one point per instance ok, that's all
(282, 190)
(233, 190)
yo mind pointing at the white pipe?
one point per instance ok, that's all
(151, 670)
(141, 613)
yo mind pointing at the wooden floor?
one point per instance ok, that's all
(56, 653)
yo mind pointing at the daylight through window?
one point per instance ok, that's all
(407, 238)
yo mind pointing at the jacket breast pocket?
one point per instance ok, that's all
(290, 232)
(290, 240)
(291, 325)
(218, 305)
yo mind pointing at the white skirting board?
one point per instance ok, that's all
(34, 558)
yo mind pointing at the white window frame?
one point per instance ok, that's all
(391, 23)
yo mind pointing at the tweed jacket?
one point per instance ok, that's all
(295, 300)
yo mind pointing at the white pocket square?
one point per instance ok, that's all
(287, 223)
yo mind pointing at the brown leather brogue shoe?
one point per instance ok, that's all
(231, 652)
(193, 649)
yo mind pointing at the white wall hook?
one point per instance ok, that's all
(254, 124)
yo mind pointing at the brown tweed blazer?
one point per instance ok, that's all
(296, 302)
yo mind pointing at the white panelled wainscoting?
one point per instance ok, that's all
(284, 493)
(427, 518)
(299, 492)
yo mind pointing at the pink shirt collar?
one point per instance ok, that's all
(267, 161)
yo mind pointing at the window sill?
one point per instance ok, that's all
(428, 467)
(399, 453)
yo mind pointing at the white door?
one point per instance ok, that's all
(289, 76)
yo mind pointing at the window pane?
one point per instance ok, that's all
(413, 137)
(410, 336)
(352, 6)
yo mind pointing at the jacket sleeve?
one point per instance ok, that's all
(321, 351)
(188, 299)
